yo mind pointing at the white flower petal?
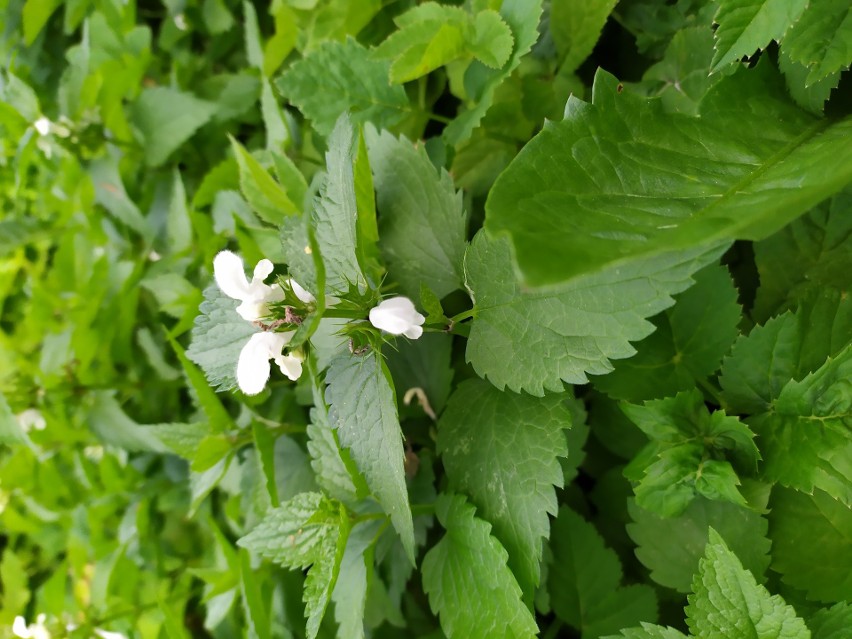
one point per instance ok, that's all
(231, 276)
(107, 634)
(301, 293)
(290, 365)
(398, 316)
(42, 125)
(413, 332)
(261, 272)
(252, 310)
(253, 365)
(19, 628)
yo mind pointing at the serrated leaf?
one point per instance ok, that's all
(533, 341)
(416, 201)
(218, 337)
(811, 253)
(327, 459)
(362, 409)
(469, 565)
(671, 547)
(688, 345)
(166, 118)
(584, 581)
(350, 591)
(686, 455)
(268, 199)
(727, 602)
(787, 347)
(492, 39)
(358, 83)
(806, 442)
(576, 26)
(666, 181)
(748, 25)
(811, 546)
(522, 16)
(503, 451)
(832, 623)
(810, 96)
(649, 631)
(822, 38)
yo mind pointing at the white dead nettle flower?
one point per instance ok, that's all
(255, 295)
(398, 316)
(31, 419)
(253, 367)
(35, 630)
(42, 125)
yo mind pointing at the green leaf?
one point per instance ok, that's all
(812, 252)
(424, 363)
(362, 409)
(110, 423)
(576, 26)
(10, 431)
(522, 16)
(35, 14)
(492, 39)
(688, 345)
(686, 456)
(832, 623)
(181, 439)
(787, 347)
(328, 460)
(671, 547)
(307, 530)
(748, 25)
(366, 228)
(821, 39)
(469, 565)
(534, 340)
(727, 602)
(585, 590)
(806, 442)
(350, 592)
(665, 181)
(811, 546)
(358, 83)
(257, 616)
(166, 118)
(218, 337)
(415, 201)
(649, 631)
(811, 96)
(503, 451)
(268, 199)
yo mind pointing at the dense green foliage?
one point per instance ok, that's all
(619, 407)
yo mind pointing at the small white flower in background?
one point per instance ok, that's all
(42, 125)
(255, 295)
(106, 634)
(35, 630)
(253, 367)
(31, 419)
(398, 316)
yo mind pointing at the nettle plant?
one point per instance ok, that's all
(520, 318)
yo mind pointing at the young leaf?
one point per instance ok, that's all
(685, 456)
(688, 345)
(532, 341)
(821, 39)
(585, 581)
(358, 83)
(666, 181)
(268, 199)
(416, 201)
(671, 547)
(811, 547)
(362, 408)
(748, 25)
(469, 565)
(727, 602)
(503, 451)
(806, 441)
(306, 531)
(166, 118)
(218, 337)
(576, 26)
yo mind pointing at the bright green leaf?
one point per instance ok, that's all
(576, 26)
(822, 39)
(268, 198)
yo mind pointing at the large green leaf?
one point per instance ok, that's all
(503, 451)
(416, 201)
(468, 565)
(584, 581)
(619, 180)
(822, 38)
(362, 408)
(748, 25)
(811, 543)
(341, 76)
(688, 345)
(534, 340)
(576, 26)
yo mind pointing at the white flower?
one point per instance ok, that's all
(255, 295)
(106, 634)
(36, 630)
(42, 125)
(301, 293)
(253, 367)
(398, 316)
(31, 419)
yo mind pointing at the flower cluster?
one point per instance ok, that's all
(396, 316)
